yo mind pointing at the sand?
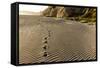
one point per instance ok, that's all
(48, 39)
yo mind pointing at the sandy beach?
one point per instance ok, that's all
(61, 40)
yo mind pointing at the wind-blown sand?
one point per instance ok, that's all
(65, 40)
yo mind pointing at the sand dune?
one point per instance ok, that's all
(46, 39)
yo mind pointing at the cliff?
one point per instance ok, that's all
(72, 13)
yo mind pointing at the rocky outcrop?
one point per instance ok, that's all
(75, 13)
(54, 11)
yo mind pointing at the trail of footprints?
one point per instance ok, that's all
(45, 45)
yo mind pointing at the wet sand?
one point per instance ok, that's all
(46, 39)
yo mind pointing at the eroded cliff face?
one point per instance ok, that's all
(54, 11)
(73, 13)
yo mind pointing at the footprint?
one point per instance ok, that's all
(45, 47)
(45, 54)
(45, 38)
(45, 42)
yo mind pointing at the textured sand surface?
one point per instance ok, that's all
(45, 39)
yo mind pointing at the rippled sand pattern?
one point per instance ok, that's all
(45, 39)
